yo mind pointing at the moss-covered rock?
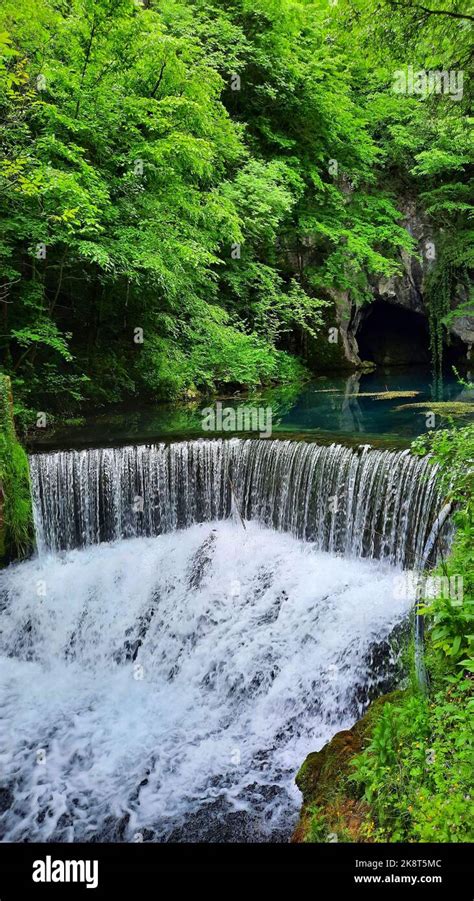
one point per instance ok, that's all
(443, 408)
(324, 355)
(331, 810)
(16, 518)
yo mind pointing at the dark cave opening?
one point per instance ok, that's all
(393, 336)
(389, 335)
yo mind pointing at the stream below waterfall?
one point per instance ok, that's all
(165, 667)
(173, 685)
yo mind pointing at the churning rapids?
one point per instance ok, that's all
(167, 686)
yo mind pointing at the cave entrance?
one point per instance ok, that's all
(392, 336)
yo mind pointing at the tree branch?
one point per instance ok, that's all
(84, 68)
(160, 76)
(431, 12)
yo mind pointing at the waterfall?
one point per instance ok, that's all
(170, 687)
(183, 640)
(357, 502)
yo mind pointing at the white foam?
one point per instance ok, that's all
(243, 675)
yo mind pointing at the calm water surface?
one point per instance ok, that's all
(341, 408)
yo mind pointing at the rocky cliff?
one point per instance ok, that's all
(393, 330)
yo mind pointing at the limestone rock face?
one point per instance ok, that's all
(463, 328)
(407, 292)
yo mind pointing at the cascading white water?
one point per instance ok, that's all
(169, 685)
(362, 502)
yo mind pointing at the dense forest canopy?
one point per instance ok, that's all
(188, 189)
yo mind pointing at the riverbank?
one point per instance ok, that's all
(403, 772)
(332, 809)
(16, 517)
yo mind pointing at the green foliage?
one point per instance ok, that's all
(167, 201)
(416, 772)
(213, 354)
(424, 142)
(452, 618)
(452, 450)
(16, 526)
(318, 828)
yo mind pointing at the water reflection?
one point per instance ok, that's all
(389, 406)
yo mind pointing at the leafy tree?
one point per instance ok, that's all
(188, 186)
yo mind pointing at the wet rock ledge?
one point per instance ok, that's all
(332, 809)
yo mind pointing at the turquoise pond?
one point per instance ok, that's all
(334, 407)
